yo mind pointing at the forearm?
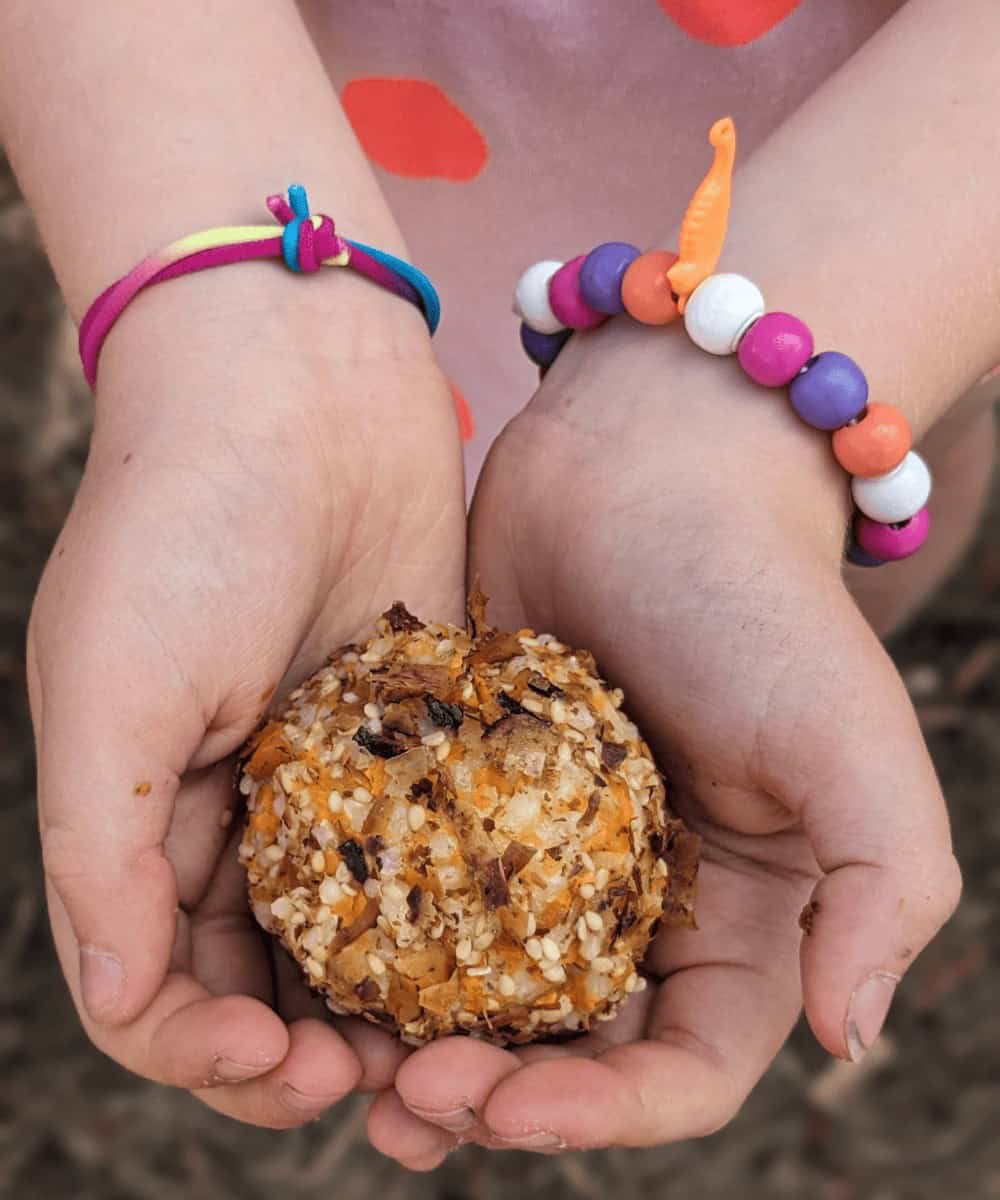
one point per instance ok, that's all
(872, 215)
(130, 127)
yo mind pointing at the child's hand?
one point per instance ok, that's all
(257, 491)
(690, 534)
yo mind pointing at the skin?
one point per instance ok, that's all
(242, 512)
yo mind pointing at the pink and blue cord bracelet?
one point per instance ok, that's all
(306, 243)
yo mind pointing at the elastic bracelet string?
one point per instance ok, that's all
(724, 314)
(306, 243)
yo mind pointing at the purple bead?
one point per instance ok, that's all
(601, 275)
(775, 349)
(543, 348)
(830, 392)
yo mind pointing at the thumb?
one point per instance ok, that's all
(878, 825)
(115, 724)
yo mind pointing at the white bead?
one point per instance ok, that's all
(531, 297)
(896, 496)
(720, 310)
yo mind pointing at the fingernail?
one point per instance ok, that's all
(228, 1070)
(300, 1102)
(539, 1140)
(102, 981)
(455, 1120)
(867, 1011)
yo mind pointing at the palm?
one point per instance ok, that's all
(197, 586)
(721, 642)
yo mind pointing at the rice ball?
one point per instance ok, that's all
(460, 830)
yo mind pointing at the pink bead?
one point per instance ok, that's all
(775, 349)
(566, 301)
(889, 544)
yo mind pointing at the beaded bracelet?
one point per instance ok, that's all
(306, 243)
(724, 314)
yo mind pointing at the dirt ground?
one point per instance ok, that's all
(919, 1120)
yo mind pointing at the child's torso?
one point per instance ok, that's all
(510, 131)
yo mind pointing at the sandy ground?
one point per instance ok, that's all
(918, 1120)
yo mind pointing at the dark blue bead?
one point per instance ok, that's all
(830, 391)
(543, 348)
(601, 275)
(861, 558)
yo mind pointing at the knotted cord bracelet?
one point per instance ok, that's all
(724, 314)
(306, 243)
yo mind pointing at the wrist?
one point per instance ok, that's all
(710, 439)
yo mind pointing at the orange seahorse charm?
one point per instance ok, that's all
(703, 229)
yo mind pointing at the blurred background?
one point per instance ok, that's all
(918, 1119)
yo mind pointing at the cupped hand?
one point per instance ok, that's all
(694, 543)
(258, 490)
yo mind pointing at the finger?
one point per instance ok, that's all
(381, 1055)
(449, 1082)
(714, 1025)
(318, 1071)
(186, 1037)
(395, 1132)
(874, 813)
(106, 791)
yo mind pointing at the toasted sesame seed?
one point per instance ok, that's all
(565, 753)
(373, 710)
(631, 983)
(478, 971)
(343, 872)
(566, 1004)
(601, 879)
(351, 697)
(246, 785)
(603, 966)
(375, 964)
(581, 928)
(384, 925)
(330, 891)
(437, 931)
(318, 861)
(297, 919)
(349, 889)
(314, 968)
(550, 949)
(574, 735)
(416, 815)
(322, 914)
(641, 984)
(374, 725)
(281, 908)
(594, 922)
(533, 705)
(362, 795)
(587, 861)
(557, 711)
(506, 985)
(371, 656)
(555, 974)
(464, 949)
(587, 891)
(550, 1015)
(606, 1016)
(338, 751)
(534, 948)
(661, 867)
(484, 940)
(274, 854)
(530, 925)
(434, 739)
(468, 692)
(444, 646)
(590, 947)
(335, 802)
(442, 752)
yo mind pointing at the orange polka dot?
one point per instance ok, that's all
(727, 22)
(411, 128)
(466, 425)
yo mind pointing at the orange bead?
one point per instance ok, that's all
(646, 291)
(876, 444)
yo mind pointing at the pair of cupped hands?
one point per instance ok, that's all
(263, 481)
